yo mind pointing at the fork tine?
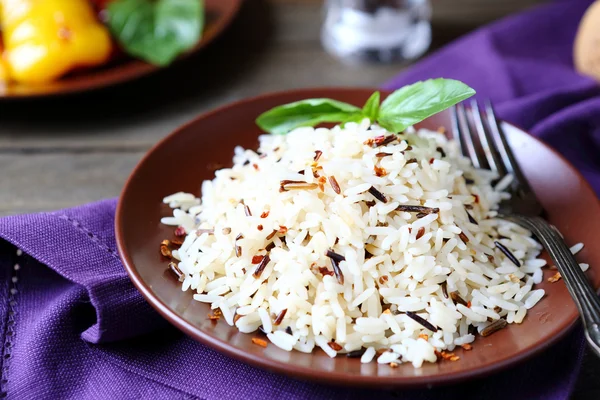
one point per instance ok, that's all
(501, 143)
(462, 133)
(488, 145)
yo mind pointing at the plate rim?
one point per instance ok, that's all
(330, 377)
(132, 68)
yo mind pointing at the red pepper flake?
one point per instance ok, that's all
(424, 336)
(265, 214)
(466, 346)
(379, 171)
(180, 231)
(322, 182)
(280, 317)
(441, 130)
(259, 227)
(394, 365)
(476, 198)
(236, 317)
(383, 279)
(420, 233)
(255, 166)
(335, 346)
(431, 160)
(381, 351)
(325, 271)
(447, 355)
(176, 243)
(468, 304)
(282, 229)
(259, 342)
(164, 248)
(318, 154)
(463, 237)
(214, 317)
(257, 259)
(555, 278)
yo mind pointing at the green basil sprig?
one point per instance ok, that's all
(401, 109)
(156, 31)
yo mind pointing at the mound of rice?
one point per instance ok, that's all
(311, 237)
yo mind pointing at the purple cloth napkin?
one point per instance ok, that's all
(72, 326)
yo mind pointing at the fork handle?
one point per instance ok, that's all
(582, 292)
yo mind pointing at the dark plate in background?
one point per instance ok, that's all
(218, 15)
(182, 161)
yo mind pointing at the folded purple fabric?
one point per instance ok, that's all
(72, 325)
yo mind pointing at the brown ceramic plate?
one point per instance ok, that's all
(218, 14)
(185, 158)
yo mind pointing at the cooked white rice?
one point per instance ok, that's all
(409, 259)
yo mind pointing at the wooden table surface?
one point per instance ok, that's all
(62, 152)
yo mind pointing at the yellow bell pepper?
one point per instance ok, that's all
(3, 68)
(45, 39)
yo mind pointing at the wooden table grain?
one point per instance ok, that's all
(62, 152)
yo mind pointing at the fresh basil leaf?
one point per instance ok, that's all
(371, 108)
(414, 103)
(282, 119)
(156, 31)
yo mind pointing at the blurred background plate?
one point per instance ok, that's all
(189, 155)
(218, 14)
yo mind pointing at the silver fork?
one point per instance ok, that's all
(487, 147)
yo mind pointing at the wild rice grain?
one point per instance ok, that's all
(507, 253)
(175, 269)
(258, 271)
(457, 299)
(356, 353)
(246, 209)
(494, 327)
(444, 286)
(377, 194)
(418, 209)
(287, 185)
(421, 321)
(335, 256)
(280, 317)
(337, 271)
(471, 219)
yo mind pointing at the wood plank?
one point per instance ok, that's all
(52, 181)
(137, 116)
(272, 46)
